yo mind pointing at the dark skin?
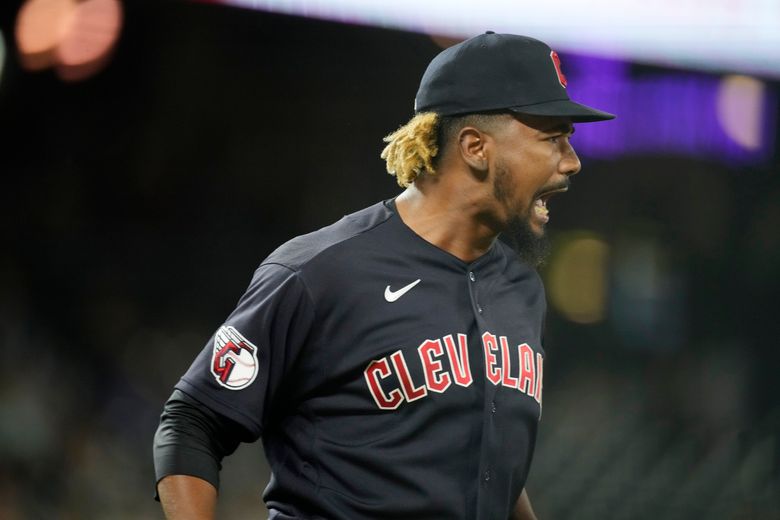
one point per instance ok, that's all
(186, 497)
(458, 210)
(485, 181)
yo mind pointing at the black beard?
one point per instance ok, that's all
(530, 247)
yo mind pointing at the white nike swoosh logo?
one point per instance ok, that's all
(392, 296)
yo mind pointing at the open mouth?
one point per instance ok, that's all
(541, 211)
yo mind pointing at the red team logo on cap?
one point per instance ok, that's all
(234, 362)
(557, 63)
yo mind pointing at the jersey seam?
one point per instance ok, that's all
(314, 419)
(312, 461)
(390, 215)
(301, 279)
(289, 268)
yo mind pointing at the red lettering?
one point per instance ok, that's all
(490, 344)
(411, 393)
(459, 363)
(435, 379)
(539, 373)
(527, 379)
(374, 371)
(506, 365)
(222, 364)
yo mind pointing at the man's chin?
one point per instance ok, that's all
(538, 231)
(529, 241)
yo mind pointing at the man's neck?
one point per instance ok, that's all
(447, 218)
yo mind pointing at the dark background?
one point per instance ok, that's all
(136, 204)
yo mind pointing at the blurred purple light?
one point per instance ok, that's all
(666, 113)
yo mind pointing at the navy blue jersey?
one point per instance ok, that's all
(387, 378)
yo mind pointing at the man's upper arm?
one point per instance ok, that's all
(192, 439)
(225, 396)
(241, 368)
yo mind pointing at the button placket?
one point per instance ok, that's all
(473, 278)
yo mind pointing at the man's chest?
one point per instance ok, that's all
(394, 335)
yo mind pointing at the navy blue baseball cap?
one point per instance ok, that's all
(493, 72)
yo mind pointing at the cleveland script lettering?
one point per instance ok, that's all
(517, 367)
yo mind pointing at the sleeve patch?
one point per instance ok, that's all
(234, 360)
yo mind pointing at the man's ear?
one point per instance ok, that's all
(472, 147)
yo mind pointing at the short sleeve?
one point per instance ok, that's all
(239, 371)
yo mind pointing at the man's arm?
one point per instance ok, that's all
(187, 498)
(523, 509)
(189, 446)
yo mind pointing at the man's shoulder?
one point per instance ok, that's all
(302, 249)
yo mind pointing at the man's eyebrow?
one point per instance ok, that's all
(563, 128)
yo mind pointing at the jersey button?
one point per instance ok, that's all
(487, 475)
(472, 276)
(493, 406)
(479, 308)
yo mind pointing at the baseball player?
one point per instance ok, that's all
(392, 362)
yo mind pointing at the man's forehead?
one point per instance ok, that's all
(546, 124)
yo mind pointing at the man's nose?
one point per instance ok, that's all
(570, 163)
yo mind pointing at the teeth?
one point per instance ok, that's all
(541, 208)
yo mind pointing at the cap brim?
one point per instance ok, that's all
(565, 108)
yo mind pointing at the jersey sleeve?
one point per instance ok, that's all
(240, 370)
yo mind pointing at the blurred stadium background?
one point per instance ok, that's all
(153, 152)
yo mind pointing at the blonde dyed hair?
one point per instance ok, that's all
(414, 148)
(411, 149)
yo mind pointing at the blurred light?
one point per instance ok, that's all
(740, 110)
(577, 279)
(40, 27)
(671, 113)
(741, 35)
(74, 36)
(659, 113)
(93, 32)
(444, 41)
(2, 54)
(648, 297)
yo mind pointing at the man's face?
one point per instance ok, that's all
(532, 161)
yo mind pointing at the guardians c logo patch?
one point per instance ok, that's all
(234, 361)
